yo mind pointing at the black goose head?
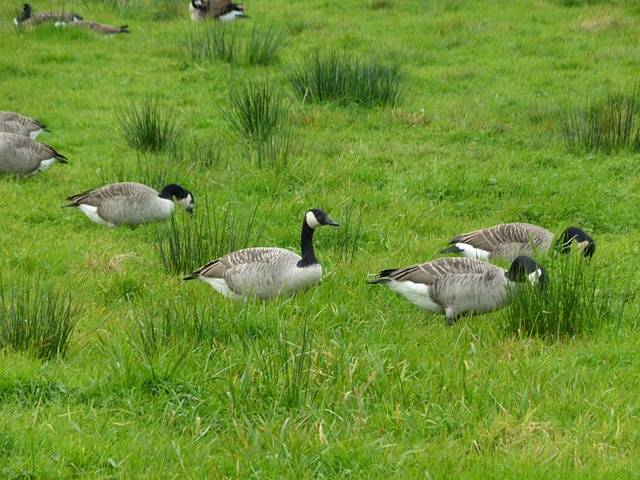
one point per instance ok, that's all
(25, 15)
(316, 217)
(526, 268)
(184, 197)
(585, 242)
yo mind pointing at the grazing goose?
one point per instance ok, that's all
(268, 272)
(509, 240)
(35, 126)
(130, 203)
(23, 156)
(455, 286)
(223, 10)
(101, 28)
(29, 19)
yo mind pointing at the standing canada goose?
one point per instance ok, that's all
(35, 127)
(455, 286)
(101, 28)
(23, 156)
(268, 272)
(509, 240)
(30, 19)
(223, 10)
(130, 203)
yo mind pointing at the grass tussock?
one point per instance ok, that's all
(185, 244)
(147, 127)
(577, 300)
(232, 44)
(341, 77)
(167, 9)
(37, 318)
(260, 118)
(610, 124)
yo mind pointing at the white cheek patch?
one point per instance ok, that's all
(92, 213)
(186, 202)
(534, 277)
(312, 221)
(469, 251)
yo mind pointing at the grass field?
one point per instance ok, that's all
(498, 106)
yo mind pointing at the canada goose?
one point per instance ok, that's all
(35, 127)
(130, 203)
(223, 10)
(28, 18)
(23, 156)
(509, 240)
(101, 28)
(268, 272)
(455, 286)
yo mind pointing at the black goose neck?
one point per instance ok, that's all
(306, 242)
(171, 191)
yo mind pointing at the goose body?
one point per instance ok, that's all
(223, 10)
(35, 127)
(509, 240)
(267, 272)
(15, 127)
(130, 203)
(101, 28)
(456, 286)
(23, 156)
(28, 18)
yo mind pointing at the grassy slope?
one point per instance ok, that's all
(388, 390)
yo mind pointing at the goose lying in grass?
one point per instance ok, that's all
(101, 28)
(268, 272)
(223, 10)
(509, 240)
(35, 127)
(455, 286)
(130, 203)
(27, 18)
(23, 156)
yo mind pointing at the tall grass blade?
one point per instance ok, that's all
(146, 127)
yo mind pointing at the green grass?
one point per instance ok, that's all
(167, 379)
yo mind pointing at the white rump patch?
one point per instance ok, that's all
(220, 286)
(469, 251)
(92, 213)
(34, 134)
(44, 164)
(231, 16)
(312, 221)
(416, 293)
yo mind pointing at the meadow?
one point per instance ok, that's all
(482, 113)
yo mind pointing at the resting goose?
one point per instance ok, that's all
(23, 156)
(455, 286)
(130, 203)
(223, 10)
(509, 240)
(100, 28)
(268, 272)
(34, 126)
(30, 19)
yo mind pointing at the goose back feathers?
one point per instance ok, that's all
(509, 240)
(23, 156)
(268, 272)
(223, 10)
(130, 203)
(455, 286)
(35, 127)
